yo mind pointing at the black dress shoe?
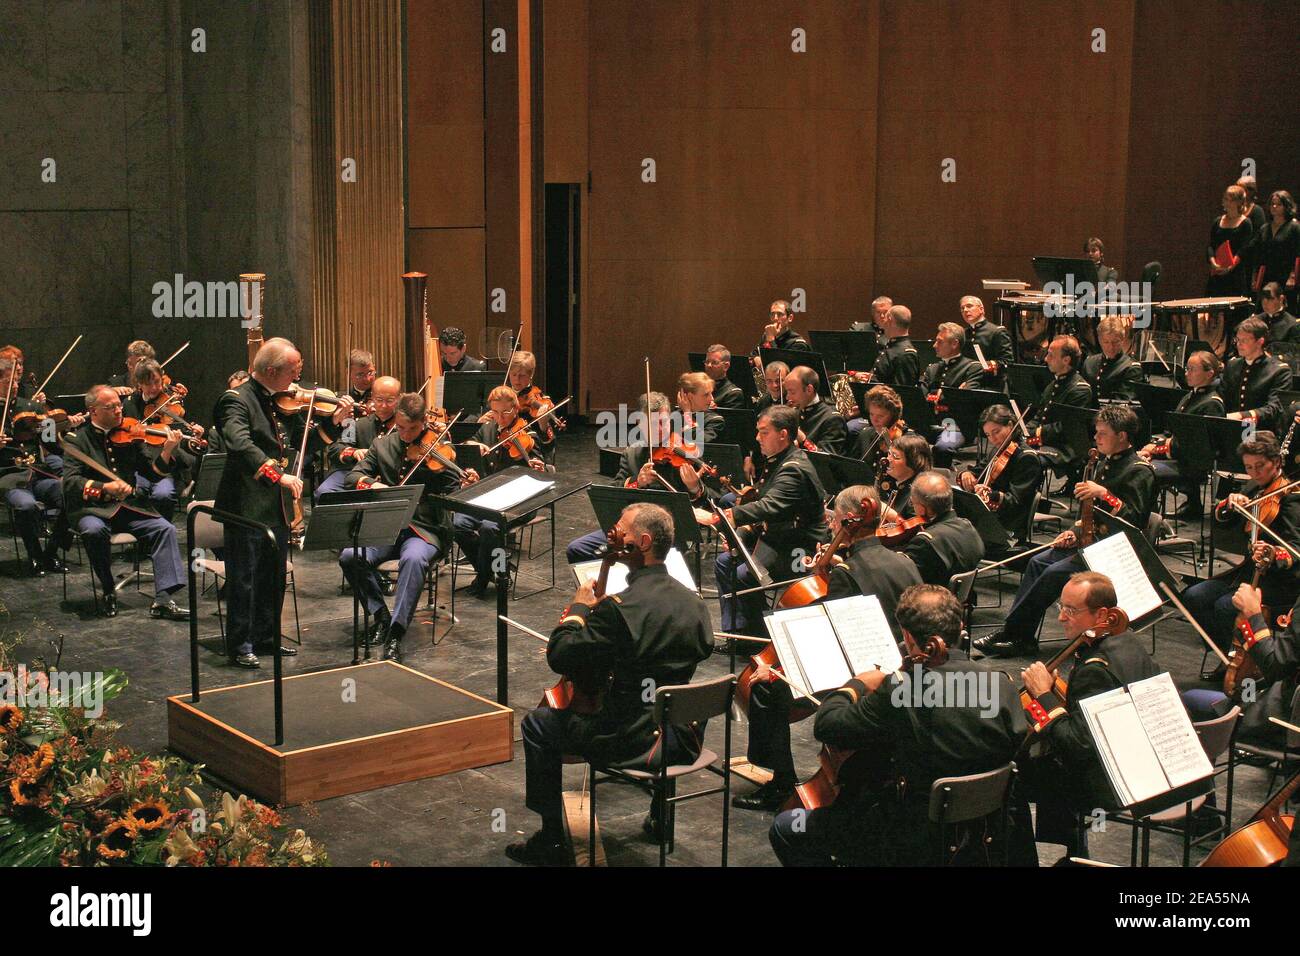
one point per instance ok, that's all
(247, 661)
(52, 564)
(771, 796)
(393, 645)
(651, 828)
(378, 630)
(35, 568)
(170, 610)
(286, 650)
(998, 644)
(540, 850)
(110, 605)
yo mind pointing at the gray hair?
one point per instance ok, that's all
(92, 395)
(655, 521)
(933, 492)
(272, 355)
(955, 330)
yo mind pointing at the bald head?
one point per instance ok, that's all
(931, 495)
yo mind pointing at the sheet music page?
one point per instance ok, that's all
(513, 492)
(616, 583)
(808, 634)
(1170, 730)
(1114, 557)
(864, 633)
(1121, 739)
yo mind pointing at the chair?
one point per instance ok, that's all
(958, 800)
(122, 539)
(389, 569)
(679, 705)
(515, 545)
(1216, 738)
(1172, 544)
(1278, 758)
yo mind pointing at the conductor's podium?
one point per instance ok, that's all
(347, 730)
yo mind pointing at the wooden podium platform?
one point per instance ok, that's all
(346, 730)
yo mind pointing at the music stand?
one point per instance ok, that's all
(739, 427)
(918, 413)
(996, 538)
(1196, 452)
(469, 455)
(610, 461)
(728, 459)
(1157, 402)
(468, 391)
(1225, 435)
(965, 406)
(463, 431)
(372, 518)
(843, 350)
(209, 477)
(837, 472)
(508, 519)
(608, 501)
(794, 358)
(1155, 569)
(1028, 382)
(1078, 424)
(925, 353)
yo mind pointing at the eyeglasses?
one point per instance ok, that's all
(777, 315)
(1070, 612)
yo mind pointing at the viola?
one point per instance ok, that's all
(1000, 462)
(1087, 519)
(537, 405)
(898, 533)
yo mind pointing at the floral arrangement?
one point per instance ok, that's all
(69, 797)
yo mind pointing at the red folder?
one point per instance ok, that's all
(1223, 257)
(1259, 279)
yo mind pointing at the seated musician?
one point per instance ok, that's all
(993, 340)
(147, 376)
(1282, 325)
(419, 544)
(358, 434)
(24, 387)
(1123, 485)
(1275, 650)
(1112, 374)
(455, 357)
(1202, 399)
(1210, 602)
(699, 425)
(41, 489)
(880, 307)
(870, 568)
(1008, 478)
(778, 333)
(361, 375)
(523, 368)
(726, 393)
(1067, 387)
(821, 428)
(953, 370)
(327, 433)
(99, 506)
(774, 380)
(636, 470)
(1067, 779)
(479, 538)
(906, 458)
(652, 634)
(1254, 381)
(948, 544)
(136, 351)
(884, 425)
(881, 816)
(897, 364)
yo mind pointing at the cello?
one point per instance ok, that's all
(1115, 622)
(1264, 840)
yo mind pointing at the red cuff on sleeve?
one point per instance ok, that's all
(347, 454)
(364, 483)
(1162, 450)
(1110, 500)
(270, 472)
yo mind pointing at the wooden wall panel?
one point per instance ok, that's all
(453, 258)
(501, 173)
(565, 39)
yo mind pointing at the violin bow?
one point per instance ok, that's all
(513, 349)
(174, 354)
(1281, 491)
(10, 394)
(40, 388)
(649, 430)
(89, 462)
(163, 406)
(529, 425)
(1169, 592)
(431, 451)
(1260, 526)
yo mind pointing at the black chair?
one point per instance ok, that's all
(679, 705)
(960, 802)
(1278, 759)
(1151, 273)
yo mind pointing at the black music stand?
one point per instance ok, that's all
(209, 477)
(1196, 452)
(794, 358)
(925, 353)
(1027, 382)
(1157, 402)
(996, 538)
(468, 391)
(463, 431)
(728, 459)
(1225, 435)
(469, 455)
(372, 518)
(918, 413)
(610, 460)
(608, 501)
(837, 472)
(1077, 424)
(508, 519)
(845, 350)
(739, 373)
(739, 427)
(1155, 569)
(965, 406)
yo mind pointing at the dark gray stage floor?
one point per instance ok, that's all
(450, 820)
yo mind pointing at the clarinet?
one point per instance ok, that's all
(1286, 444)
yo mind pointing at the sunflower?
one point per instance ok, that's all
(11, 718)
(40, 763)
(116, 840)
(29, 793)
(148, 815)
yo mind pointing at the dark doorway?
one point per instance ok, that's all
(563, 262)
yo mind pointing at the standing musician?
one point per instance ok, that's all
(136, 352)
(778, 334)
(821, 427)
(533, 402)
(774, 380)
(947, 544)
(259, 442)
(480, 539)
(906, 458)
(1203, 400)
(788, 506)
(726, 393)
(1007, 479)
(1211, 601)
(42, 491)
(654, 633)
(455, 358)
(1112, 374)
(953, 370)
(898, 363)
(99, 507)
(885, 426)
(912, 739)
(391, 459)
(216, 440)
(1123, 485)
(357, 435)
(694, 401)
(1069, 779)
(1067, 387)
(994, 341)
(147, 376)
(1254, 381)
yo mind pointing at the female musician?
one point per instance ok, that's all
(523, 367)
(1009, 475)
(1278, 245)
(506, 440)
(1230, 272)
(907, 458)
(1203, 368)
(885, 425)
(1210, 602)
(150, 391)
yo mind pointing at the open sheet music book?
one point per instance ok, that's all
(1114, 557)
(821, 646)
(1145, 739)
(616, 583)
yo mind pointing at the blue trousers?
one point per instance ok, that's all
(481, 541)
(29, 505)
(1201, 703)
(586, 548)
(804, 838)
(254, 587)
(158, 535)
(162, 494)
(740, 615)
(1041, 584)
(334, 481)
(413, 554)
(856, 425)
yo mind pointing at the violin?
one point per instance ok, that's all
(297, 398)
(433, 452)
(1115, 621)
(27, 426)
(519, 443)
(171, 395)
(1241, 666)
(898, 533)
(744, 494)
(676, 456)
(536, 406)
(133, 431)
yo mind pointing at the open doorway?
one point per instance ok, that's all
(563, 308)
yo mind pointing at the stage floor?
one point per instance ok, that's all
(449, 820)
